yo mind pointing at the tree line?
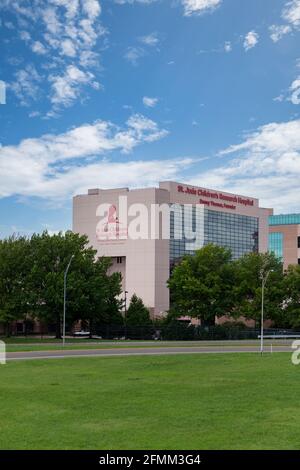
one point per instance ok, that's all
(210, 284)
(206, 285)
(32, 283)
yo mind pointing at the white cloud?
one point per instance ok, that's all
(133, 54)
(66, 88)
(145, 128)
(190, 7)
(265, 165)
(26, 85)
(150, 40)
(69, 32)
(291, 15)
(68, 48)
(251, 39)
(89, 59)
(51, 21)
(291, 12)
(295, 91)
(150, 102)
(277, 32)
(279, 98)
(9, 25)
(38, 48)
(25, 36)
(227, 46)
(56, 166)
(199, 7)
(107, 174)
(92, 8)
(34, 114)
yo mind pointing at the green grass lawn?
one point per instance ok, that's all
(230, 401)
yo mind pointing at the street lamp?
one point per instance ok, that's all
(65, 299)
(125, 303)
(264, 277)
(125, 311)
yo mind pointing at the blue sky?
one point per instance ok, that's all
(129, 92)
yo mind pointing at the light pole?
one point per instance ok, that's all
(65, 299)
(125, 311)
(125, 302)
(264, 277)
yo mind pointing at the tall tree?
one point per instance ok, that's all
(32, 281)
(137, 313)
(202, 284)
(95, 294)
(291, 306)
(248, 288)
(14, 271)
(90, 290)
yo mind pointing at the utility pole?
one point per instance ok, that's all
(125, 311)
(264, 277)
(65, 299)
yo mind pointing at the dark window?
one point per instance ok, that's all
(235, 231)
(119, 259)
(298, 242)
(298, 260)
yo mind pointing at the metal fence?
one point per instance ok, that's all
(182, 332)
(174, 331)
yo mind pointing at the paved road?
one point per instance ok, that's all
(138, 352)
(235, 342)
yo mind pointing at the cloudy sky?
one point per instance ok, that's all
(114, 93)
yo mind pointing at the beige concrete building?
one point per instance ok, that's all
(284, 238)
(146, 230)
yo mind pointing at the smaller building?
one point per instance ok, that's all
(284, 238)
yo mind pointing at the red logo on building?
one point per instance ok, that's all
(110, 228)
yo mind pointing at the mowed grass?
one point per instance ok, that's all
(213, 401)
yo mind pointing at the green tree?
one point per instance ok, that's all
(137, 313)
(248, 287)
(291, 305)
(14, 270)
(95, 295)
(91, 292)
(202, 284)
(32, 281)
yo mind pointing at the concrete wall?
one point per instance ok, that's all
(146, 268)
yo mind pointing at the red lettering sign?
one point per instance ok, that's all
(228, 200)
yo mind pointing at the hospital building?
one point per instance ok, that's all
(146, 231)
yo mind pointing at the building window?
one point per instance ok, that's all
(119, 259)
(298, 242)
(284, 219)
(276, 244)
(234, 231)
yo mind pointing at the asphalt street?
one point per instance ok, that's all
(61, 354)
